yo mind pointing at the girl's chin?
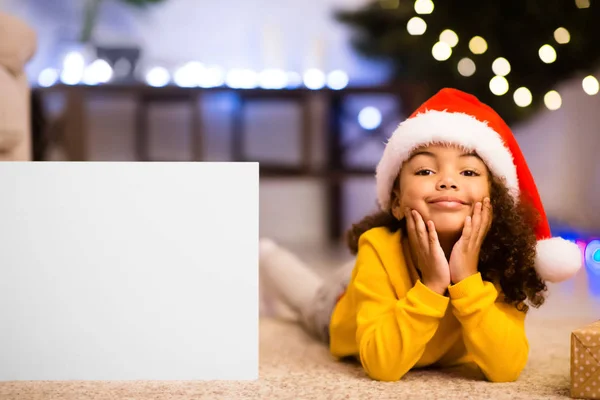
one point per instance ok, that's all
(449, 225)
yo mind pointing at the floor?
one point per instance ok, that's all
(293, 366)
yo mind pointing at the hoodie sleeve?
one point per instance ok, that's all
(391, 332)
(493, 331)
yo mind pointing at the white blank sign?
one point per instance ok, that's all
(128, 271)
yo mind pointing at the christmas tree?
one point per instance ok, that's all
(511, 54)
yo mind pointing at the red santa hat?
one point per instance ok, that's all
(452, 116)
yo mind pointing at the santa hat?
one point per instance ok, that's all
(452, 116)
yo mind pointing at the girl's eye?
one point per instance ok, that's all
(470, 173)
(424, 172)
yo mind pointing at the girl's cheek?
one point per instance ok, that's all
(408, 199)
(410, 203)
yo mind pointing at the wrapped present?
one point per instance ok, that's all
(585, 362)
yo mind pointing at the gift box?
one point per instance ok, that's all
(585, 362)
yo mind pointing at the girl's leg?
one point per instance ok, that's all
(310, 297)
(286, 277)
(316, 317)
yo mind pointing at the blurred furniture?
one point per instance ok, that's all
(332, 172)
(73, 122)
(18, 43)
(335, 169)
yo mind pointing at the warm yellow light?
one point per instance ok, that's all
(590, 85)
(424, 6)
(499, 85)
(522, 97)
(547, 54)
(562, 35)
(501, 66)
(582, 3)
(441, 51)
(416, 26)
(552, 100)
(466, 67)
(478, 45)
(449, 37)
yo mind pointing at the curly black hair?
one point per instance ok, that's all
(508, 251)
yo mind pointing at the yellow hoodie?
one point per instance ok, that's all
(392, 322)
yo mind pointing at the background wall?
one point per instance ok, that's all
(234, 34)
(561, 146)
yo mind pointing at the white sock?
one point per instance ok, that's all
(286, 276)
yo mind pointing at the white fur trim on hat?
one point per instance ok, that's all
(557, 259)
(444, 127)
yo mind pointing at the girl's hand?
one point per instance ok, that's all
(430, 256)
(465, 253)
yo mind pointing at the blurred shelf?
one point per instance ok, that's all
(173, 90)
(270, 171)
(333, 172)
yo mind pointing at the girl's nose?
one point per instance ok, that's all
(447, 183)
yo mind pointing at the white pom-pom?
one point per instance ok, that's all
(557, 259)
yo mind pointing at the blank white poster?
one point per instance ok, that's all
(129, 271)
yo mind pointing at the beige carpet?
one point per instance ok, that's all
(293, 366)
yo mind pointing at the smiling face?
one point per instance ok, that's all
(442, 183)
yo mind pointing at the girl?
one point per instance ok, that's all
(444, 271)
